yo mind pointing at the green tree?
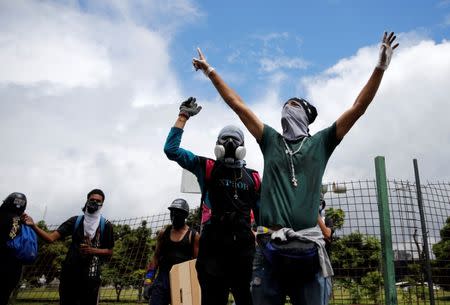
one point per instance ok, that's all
(337, 217)
(372, 283)
(132, 252)
(442, 252)
(355, 255)
(49, 261)
(194, 218)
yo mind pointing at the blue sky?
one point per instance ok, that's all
(319, 33)
(90, 89)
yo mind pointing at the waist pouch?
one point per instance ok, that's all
(294, 258)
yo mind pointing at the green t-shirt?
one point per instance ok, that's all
(282, 204)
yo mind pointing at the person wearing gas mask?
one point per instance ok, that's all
(230, 192)
(11, 210)
(294, 163)
(175, 244)
(92, 242)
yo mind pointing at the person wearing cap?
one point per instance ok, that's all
(11, 210)
(92, 243)
(230, 192)
(294, 163)
(175, 244)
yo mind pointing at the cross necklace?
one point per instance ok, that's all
(291, 153)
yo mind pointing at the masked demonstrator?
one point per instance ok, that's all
(11, 268)
(177, 243)
(92, 242)
(294, 163)
(230, 191)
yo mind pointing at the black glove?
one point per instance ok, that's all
(189, 108)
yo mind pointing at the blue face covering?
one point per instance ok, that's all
(294, 122)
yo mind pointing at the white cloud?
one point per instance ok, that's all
(269, 64)
(407, 119)
(78, 98)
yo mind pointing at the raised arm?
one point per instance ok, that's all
(185, 158)
(188, 108)
(345, 122)
(247, 116)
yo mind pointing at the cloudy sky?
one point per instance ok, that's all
(89, 90)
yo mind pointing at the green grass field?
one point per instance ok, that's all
(49, 296)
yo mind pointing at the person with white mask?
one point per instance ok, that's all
(230, 192)
(293, 261)
(92, 241)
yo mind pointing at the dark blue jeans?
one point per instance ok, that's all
(271, 288)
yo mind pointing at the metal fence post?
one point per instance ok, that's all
(390, 291)
(424, 233)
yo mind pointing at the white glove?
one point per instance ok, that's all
(386, 51)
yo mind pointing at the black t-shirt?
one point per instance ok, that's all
(175, 252)
(75, 264)
(9, 228)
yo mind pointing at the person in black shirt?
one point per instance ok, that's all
(11, 268)
(177, 243)
(92, 240)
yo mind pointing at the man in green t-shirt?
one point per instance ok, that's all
(294, 163)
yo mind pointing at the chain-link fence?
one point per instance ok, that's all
(355, 251)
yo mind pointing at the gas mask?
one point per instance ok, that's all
(230, 146)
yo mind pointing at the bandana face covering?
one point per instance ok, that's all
(91, 222)
(294, 122)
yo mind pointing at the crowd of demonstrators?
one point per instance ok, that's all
(230, 192)
(92, 242)
(11, 210)
(175, 244)
(288, 257)
(294, 163)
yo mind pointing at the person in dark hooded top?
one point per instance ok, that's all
(92, 242)
(11, 210)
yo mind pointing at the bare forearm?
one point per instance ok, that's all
(346, 121)
(325, 230)
(248, 118)
(368, 92)
(103, 252)
(48, 237)
(180, 122)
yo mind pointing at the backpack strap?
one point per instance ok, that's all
(192, 240)
(102, 226)
(205, 212)
(81, 217)
(208, 170)
(77, 223)
(256, 180)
